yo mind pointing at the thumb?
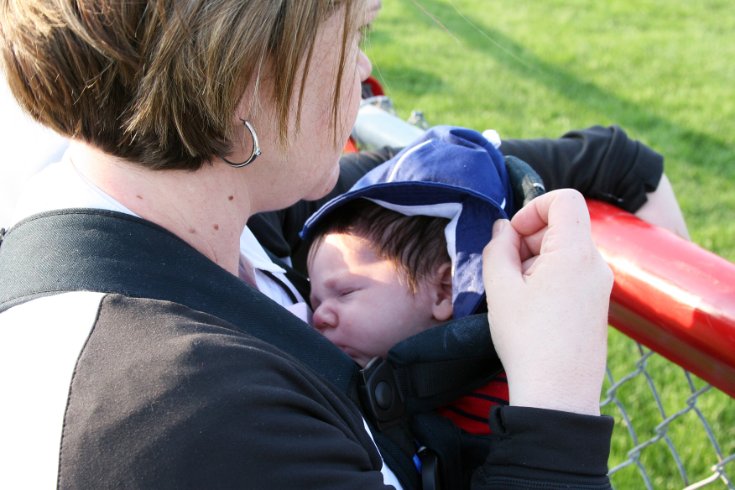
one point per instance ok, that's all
(501, 257)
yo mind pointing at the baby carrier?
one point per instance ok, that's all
(456, 174)
(111, 252)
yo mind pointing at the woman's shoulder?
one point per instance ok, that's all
(170, 380)
(167, 332)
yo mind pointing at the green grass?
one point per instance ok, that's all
(662, 70)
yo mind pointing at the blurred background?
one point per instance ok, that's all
(664, 71)
(25, 147)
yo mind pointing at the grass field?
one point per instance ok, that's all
(662, 70)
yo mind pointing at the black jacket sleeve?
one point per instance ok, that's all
(601, 162)
(535, 448)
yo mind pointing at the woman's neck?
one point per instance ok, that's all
(207, 208)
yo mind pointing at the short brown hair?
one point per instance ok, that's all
(416, 244)
(158, 81)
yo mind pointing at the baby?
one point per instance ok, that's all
(401, 252)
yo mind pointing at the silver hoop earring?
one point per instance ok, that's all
(256, 148)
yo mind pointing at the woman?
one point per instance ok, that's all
(188, 118)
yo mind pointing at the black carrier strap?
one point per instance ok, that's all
(105, 251)
(430, 369)
(526, 183)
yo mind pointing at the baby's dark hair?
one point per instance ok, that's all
(416, 244)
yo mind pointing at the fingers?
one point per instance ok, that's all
(560, 206)
(547, 292)
(502, 256)
(562, 213)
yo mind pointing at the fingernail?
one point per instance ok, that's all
(499, 226)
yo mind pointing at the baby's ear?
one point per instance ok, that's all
(442, 307)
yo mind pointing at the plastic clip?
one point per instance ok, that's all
(429, 469)
(381, 394)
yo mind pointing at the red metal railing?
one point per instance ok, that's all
(670, 295)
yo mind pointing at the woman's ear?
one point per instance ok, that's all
(442, 308)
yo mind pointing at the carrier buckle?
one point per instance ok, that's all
(430, 475)
(381, 394)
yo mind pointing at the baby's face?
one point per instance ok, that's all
(361, 303)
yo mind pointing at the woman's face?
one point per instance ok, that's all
(317, 151)
(309, 166)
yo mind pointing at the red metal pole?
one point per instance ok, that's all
(670, 295)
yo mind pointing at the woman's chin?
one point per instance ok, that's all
(324, 186)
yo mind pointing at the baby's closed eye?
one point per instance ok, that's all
(343, 293)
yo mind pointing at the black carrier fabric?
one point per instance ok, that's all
(105, 251)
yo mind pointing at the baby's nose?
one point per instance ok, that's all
(324, 318)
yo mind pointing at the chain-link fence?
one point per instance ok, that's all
(673, 431)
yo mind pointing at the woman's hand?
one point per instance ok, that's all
(548, 292)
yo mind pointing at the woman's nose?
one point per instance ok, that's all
(324, 317)
(365, 67)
